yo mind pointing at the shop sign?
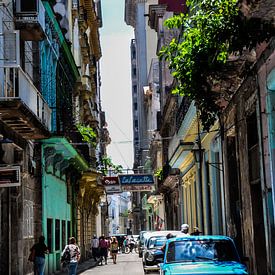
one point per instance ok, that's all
(107, 181)
(111, 185)
(10, 176)
(136, 179)
(136, 182)
(137, 188)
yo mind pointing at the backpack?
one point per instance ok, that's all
(66, 257)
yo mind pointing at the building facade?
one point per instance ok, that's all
(50, 90)
(220, 180)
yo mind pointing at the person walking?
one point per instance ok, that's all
(73, 251)
(38, 252)
(132, 243)
(94, 247)
(124, 244)
(103, 249)
(114, 249)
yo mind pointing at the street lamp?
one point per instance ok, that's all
(197, 151)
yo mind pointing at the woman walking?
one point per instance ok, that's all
(114, 249)
(38, 252)
(73, 252)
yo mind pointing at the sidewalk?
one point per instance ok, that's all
(81, 267)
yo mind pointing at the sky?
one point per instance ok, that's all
(115, 39)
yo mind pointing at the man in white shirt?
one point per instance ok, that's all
(184, 229)
(94, 247)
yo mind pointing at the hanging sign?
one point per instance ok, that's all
(10, 176)
(111, 185)
(136, 182)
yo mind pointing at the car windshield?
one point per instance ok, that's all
(142, 236)
(155, 242)
(201, 250)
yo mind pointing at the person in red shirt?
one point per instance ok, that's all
(103, 249)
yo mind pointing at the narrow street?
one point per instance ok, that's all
(126, 123)
(126, 264)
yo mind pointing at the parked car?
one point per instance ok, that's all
(141, 242)
(152, 252)
(195, 255)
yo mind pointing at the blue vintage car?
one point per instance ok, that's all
(204, 255)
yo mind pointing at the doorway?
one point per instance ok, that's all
(256, 194)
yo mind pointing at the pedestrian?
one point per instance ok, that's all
(38, 252)
(132, 243)
(114, 249)
(94, 247)
(103, 249)
(73, 251)
(124, 244)
(168, 236)
(109, 240)
(196, 231)
(184, 229)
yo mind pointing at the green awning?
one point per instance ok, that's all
(62, 145)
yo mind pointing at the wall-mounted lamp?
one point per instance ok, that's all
(197, 152)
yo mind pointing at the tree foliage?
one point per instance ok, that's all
(204, 43)
(107, 165)
(159, 174)
(88, 134)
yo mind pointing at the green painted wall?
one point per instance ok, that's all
(56, 208)
(55, 198)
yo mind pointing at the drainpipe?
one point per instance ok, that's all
(224, 229)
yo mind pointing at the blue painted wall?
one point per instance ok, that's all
(49, 53)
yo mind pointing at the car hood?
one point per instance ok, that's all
(155, 251)
(209, 268)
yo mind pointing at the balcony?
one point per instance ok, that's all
(30, 19)
(22, 107)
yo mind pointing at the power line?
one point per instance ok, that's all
(117, 126)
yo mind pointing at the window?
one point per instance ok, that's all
(63, 234)
(57, 234)
(50, 234)
(28, 6)
(135, 89)
(68, 229)
(28, 219)
(134, 54)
